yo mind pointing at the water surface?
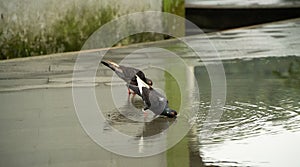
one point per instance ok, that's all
(260, 125)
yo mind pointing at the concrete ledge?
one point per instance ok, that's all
(53, 71)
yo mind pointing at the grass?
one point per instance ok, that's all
(67, 33)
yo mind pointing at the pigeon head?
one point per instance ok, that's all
(149, 82)
(169, 113)
(141, 75)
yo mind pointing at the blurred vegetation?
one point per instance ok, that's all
(65, 34)
(77, 25)
(68, 33)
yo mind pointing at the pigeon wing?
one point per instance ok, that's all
(141, 84)
(146, 96)
(129, 73)
(158, 101)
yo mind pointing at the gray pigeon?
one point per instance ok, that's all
(154, 101)
(128, 74)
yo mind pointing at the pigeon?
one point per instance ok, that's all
(128, 74)
(154, 101)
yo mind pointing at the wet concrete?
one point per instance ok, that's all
(39, 126)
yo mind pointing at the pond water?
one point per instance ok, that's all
(260, 125)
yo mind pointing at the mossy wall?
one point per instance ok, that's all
(176, 7)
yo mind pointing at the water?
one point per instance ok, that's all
(260, 125)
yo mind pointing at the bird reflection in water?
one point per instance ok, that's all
(129, 120)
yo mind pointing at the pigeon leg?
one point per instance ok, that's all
(145, 113)
(128, 98)
(129, 92)
(133, 94)
(132, 97)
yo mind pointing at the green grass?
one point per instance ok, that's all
(67, 33)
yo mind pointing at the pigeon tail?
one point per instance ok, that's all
(110, 64)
